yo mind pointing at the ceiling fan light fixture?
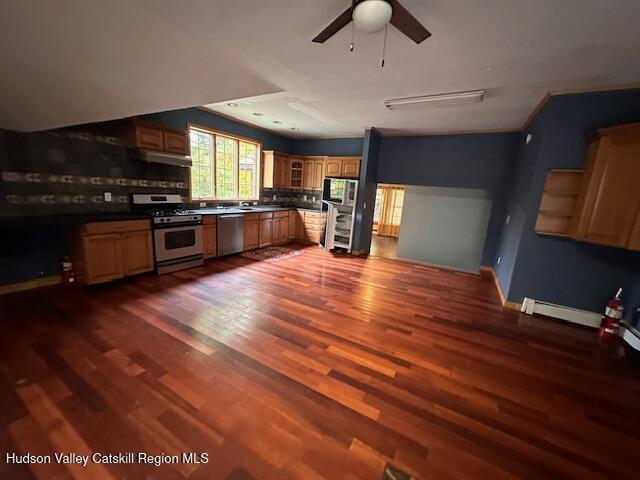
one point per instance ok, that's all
(372, 15)
(457, 98)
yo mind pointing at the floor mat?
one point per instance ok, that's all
(272, 254)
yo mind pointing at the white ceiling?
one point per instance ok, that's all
(75, 61)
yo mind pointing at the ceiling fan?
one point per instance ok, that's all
(372, 16)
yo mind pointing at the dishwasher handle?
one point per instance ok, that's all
(232, 215)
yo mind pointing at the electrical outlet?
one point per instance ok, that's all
(304, 198)
(314, 199)
(498, 261)
(107, 196)
(507, 220)
(255, 203)
(274, 197)
(203, 204)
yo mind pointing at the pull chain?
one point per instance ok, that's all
(352, 46)
(384, 45)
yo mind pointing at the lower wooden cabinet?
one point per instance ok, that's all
(210, 240)
(293, 217)
(251, 233)
(102, 257)
(266, 232)
(106, 251)
(137, 253)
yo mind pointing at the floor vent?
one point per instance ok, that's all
(573, 315)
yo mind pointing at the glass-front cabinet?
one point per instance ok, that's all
(296, 173)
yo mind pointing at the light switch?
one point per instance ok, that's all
(107, 196)
(498, 262)
(507, 220)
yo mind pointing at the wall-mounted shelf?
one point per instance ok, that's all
(557, 205)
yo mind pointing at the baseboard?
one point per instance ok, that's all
(573, 315)
(31, 284)
(503, 300)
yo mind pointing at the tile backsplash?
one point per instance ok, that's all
(292, 198)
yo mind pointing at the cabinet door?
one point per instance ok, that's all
(333, 167)
(210, 240)
(175, 142)
(149, 138)
(284, 229)
(613, 195)
(318, 174)
(296, 170)
(251, 235)
(293, 215)
(300, 229)
(308, 174)
(351, 167)
(265, 232)
(137, 252)
(103, 257)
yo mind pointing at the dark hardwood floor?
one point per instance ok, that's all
(318, 366)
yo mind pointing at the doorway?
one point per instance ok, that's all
(387, 216)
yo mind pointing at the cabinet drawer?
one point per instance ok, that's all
(250, 217)
(116, 227)
(266, 216)
(281, 214)
(209, 219)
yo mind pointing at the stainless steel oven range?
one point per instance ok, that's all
(177, 233)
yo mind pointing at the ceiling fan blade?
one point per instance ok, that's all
(407, 24)
(334, 27)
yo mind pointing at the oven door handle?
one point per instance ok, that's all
(165, 226)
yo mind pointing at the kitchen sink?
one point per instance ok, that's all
(246, 208)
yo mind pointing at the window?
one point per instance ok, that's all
(224, 167)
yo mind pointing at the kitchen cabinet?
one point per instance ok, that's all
(105, 251)
(280, 230)
(137, 253)
(608, 205)
(251, 234)
(152, 136)
(176, 142)
(293, 217)
(210, 236)
(297, 172)
(276, 170)
(634, 240)
(351, 167)
(318, 174)
(309, 174)
(299, 226)
(333, 167)
(266, 229)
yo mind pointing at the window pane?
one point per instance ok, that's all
(201, 153)
(226, 155)
(247, 174)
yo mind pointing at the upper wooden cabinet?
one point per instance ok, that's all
(606, 207)
(276, 170)
(342, 167)
(318, 174)
(333, 167)
(297, 172)
(609, 200)
(309, 172)
(152, 136)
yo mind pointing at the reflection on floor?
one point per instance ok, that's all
(386, 247)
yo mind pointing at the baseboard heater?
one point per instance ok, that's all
(573, 315)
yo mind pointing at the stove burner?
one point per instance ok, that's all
(174, 212)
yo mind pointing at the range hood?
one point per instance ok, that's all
(151, 156)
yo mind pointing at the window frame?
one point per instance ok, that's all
(236, 166)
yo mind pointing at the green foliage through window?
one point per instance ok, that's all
(224, 168)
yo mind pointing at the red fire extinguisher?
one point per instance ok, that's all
(610, 323)
(68, 275)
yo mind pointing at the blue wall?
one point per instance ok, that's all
(366, 191)
(481, 161)
(553, 269)
(181, 118)
(337, 147)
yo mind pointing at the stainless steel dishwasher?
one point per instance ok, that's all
(230, 234)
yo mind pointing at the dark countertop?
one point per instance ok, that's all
(80, 218)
